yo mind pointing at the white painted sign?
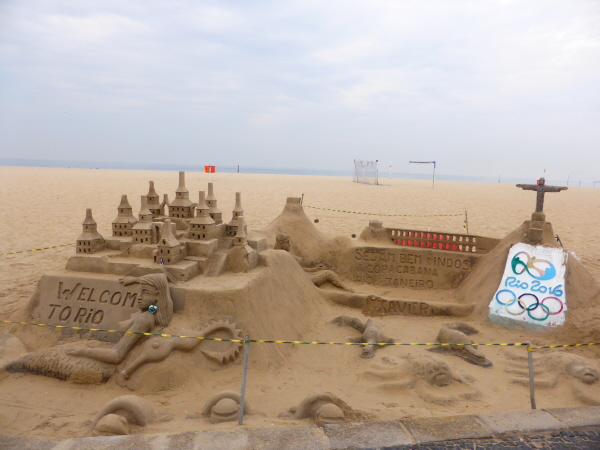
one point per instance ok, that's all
(532, 289)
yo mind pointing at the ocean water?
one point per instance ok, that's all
(383, 174)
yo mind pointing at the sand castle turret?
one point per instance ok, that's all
(123, 224)
(181, 207)
(213, 211)
(153, 201)
(143, 232)
(169, 249)
(90, 241)
(241, 237)
(238, 211)
(202, 226)
(164, 205)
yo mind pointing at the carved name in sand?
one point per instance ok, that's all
(84, 302)
(415, 269)
(373, 305)
(377, 306)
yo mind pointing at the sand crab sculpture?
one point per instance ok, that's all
(432, 379)
(94, 362)
(371, 334)
(457, 333)
(551, 367)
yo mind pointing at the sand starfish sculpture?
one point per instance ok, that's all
(371, 334)
(457, 333)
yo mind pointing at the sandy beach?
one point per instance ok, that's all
(43, 207)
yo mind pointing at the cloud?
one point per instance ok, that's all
(474, 85)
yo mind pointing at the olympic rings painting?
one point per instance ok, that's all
(532, 287)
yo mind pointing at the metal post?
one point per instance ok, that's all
(433, 185)
(302, 199)
(244, 372)
(466, 221)
(531, 376)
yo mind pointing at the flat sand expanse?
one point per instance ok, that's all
(43, 207)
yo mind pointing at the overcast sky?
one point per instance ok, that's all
(482, 87)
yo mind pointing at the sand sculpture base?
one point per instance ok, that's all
(90, 300)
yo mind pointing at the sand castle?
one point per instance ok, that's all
(180, 269)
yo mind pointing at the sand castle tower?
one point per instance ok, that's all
(202, 226)
(123, 224)
(213, 211)
(181, 207)
(241, 257)
(241, 237)
(238, 211)
(153, 201)
(143, 232)
(90, 241)
(169, 249)
(164, 205)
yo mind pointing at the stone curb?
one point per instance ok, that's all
(346, 436)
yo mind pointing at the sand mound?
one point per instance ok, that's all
(306, 240)
(582, 292)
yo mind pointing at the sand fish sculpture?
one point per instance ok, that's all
(432, 379)
(551, 367)
(371, 334)
(457, 333)
(323, 408)
(56, 362)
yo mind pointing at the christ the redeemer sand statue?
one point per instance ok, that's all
(541, 189)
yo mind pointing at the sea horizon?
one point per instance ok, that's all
(383, 173)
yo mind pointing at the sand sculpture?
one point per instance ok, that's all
(323, 408)
(224, 407)
(86, 364)
(553, 366)
(175, 250)
(156, 309)
(157, 349)
(128, 409)
(190, 239)
(320, 273)
(550, 368)
(371, 334)
(424, 375)
(457, 333)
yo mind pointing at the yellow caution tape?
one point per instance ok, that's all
(36, 249)
(265, 341)
(385, 215)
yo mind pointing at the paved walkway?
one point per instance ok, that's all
(562, 428)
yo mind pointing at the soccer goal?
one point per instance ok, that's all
(366, 172)
(425, 162)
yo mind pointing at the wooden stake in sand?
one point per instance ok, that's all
(244, 373)
(531, 375)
